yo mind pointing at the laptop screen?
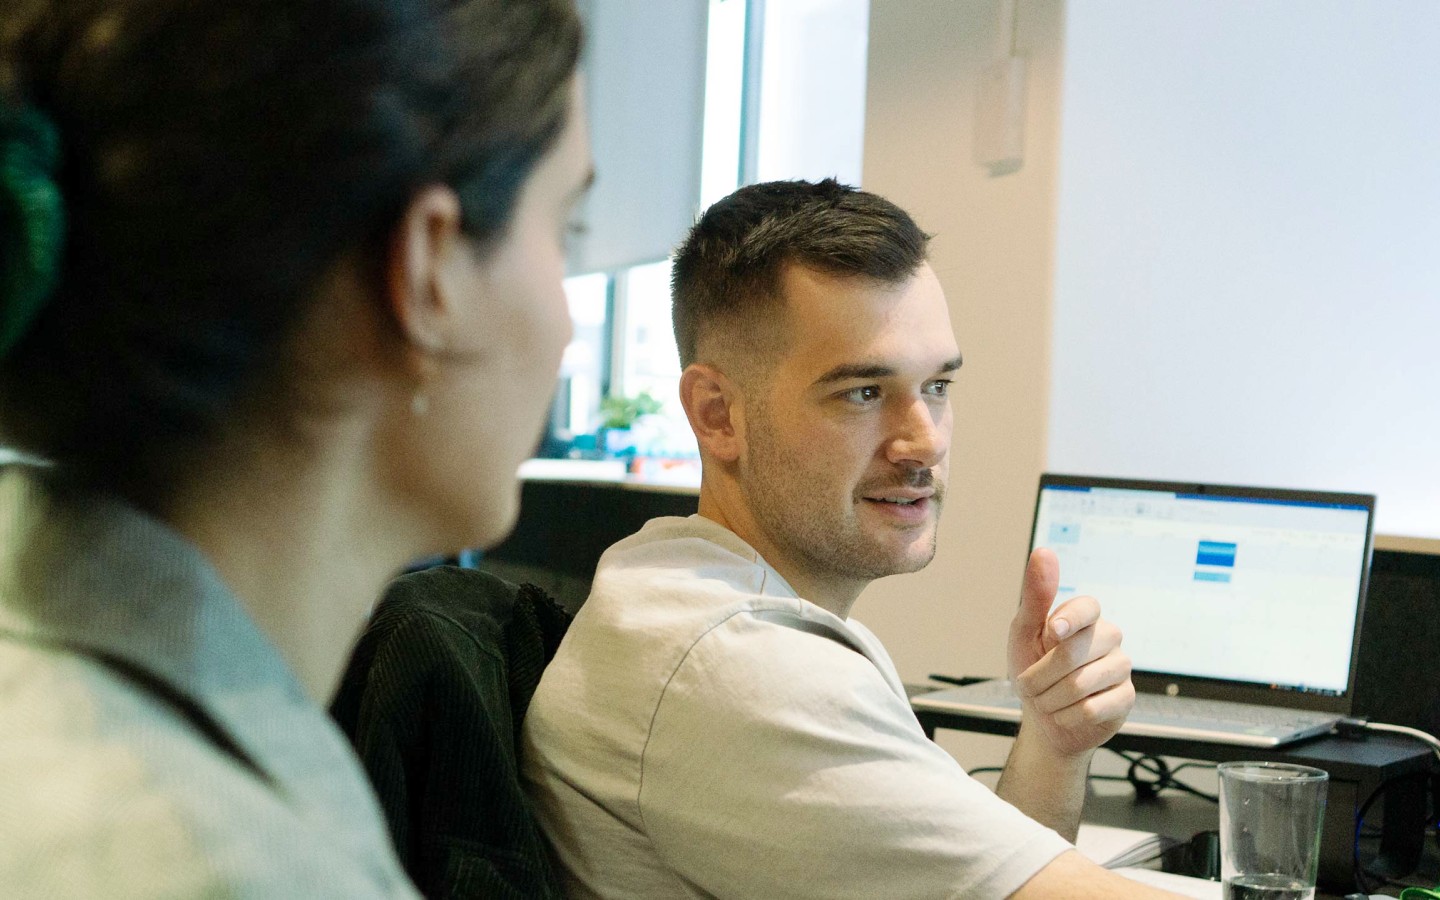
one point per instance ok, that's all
(1235, 593)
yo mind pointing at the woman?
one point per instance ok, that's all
(280, 309)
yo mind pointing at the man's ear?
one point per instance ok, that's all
(424, 247)
(715, 408)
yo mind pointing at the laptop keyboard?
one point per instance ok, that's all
(1159, 707)
(1156, 715)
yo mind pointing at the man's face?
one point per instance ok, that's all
(847, 435)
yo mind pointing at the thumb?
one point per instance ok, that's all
(1037, 594)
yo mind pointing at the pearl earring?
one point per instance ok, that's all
(419, 403)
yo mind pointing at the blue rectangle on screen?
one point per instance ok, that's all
(1219, 577)
(1215, 553)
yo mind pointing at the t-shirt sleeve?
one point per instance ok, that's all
(781, 764)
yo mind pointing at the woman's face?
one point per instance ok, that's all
(487, 404)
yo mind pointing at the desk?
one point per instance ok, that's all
(1102, 843)
(565, 524)
(1358, 768)
(569, 516)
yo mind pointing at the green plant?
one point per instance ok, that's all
(621, 412)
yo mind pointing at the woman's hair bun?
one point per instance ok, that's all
(32, 218)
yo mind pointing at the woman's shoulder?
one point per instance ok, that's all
(109, 791)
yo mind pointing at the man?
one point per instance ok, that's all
(714, 724)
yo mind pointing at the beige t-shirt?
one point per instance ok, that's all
(703, 732)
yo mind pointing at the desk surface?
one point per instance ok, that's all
(1356, 766)
(1102, 843)
(655, 475)
(1374, 758)
(1177, 815)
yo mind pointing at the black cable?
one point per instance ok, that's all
(1144, 788)
(1164, 776)
(1357, 727)
(962, 680)
(1361, 872)
(1357, 867)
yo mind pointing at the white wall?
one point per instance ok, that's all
(813, 90)
(1231, 275)
(993, 251)
(1248, 264)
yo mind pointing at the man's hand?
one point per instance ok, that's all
(1068, 668)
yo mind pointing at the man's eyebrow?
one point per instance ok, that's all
(855, 371)
(861, 371)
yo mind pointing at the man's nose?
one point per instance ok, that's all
(920, 435)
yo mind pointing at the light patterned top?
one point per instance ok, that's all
(153, 743)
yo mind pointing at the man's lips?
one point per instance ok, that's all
(907, 508)
(899, 497)
(911, 494)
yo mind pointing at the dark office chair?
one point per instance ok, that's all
(433, 700)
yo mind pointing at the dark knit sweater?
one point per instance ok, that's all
(433, 700)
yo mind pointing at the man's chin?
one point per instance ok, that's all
(918, 561)
(912, 554)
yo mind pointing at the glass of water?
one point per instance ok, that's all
(1270, 818)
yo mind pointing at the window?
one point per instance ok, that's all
(784, 98)
(584, 369)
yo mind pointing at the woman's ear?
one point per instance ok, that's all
(424, 247)
(715, 407)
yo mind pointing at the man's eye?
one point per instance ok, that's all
(863, 394)
(940, 387)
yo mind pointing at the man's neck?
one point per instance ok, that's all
(724, 508)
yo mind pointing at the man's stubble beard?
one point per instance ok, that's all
(828, 541)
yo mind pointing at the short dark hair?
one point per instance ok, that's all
(727, 271)
(215, 160)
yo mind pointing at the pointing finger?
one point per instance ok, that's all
(1042, 580)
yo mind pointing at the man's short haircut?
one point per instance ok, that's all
(727, 272)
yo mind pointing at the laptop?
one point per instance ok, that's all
(1241, 606)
